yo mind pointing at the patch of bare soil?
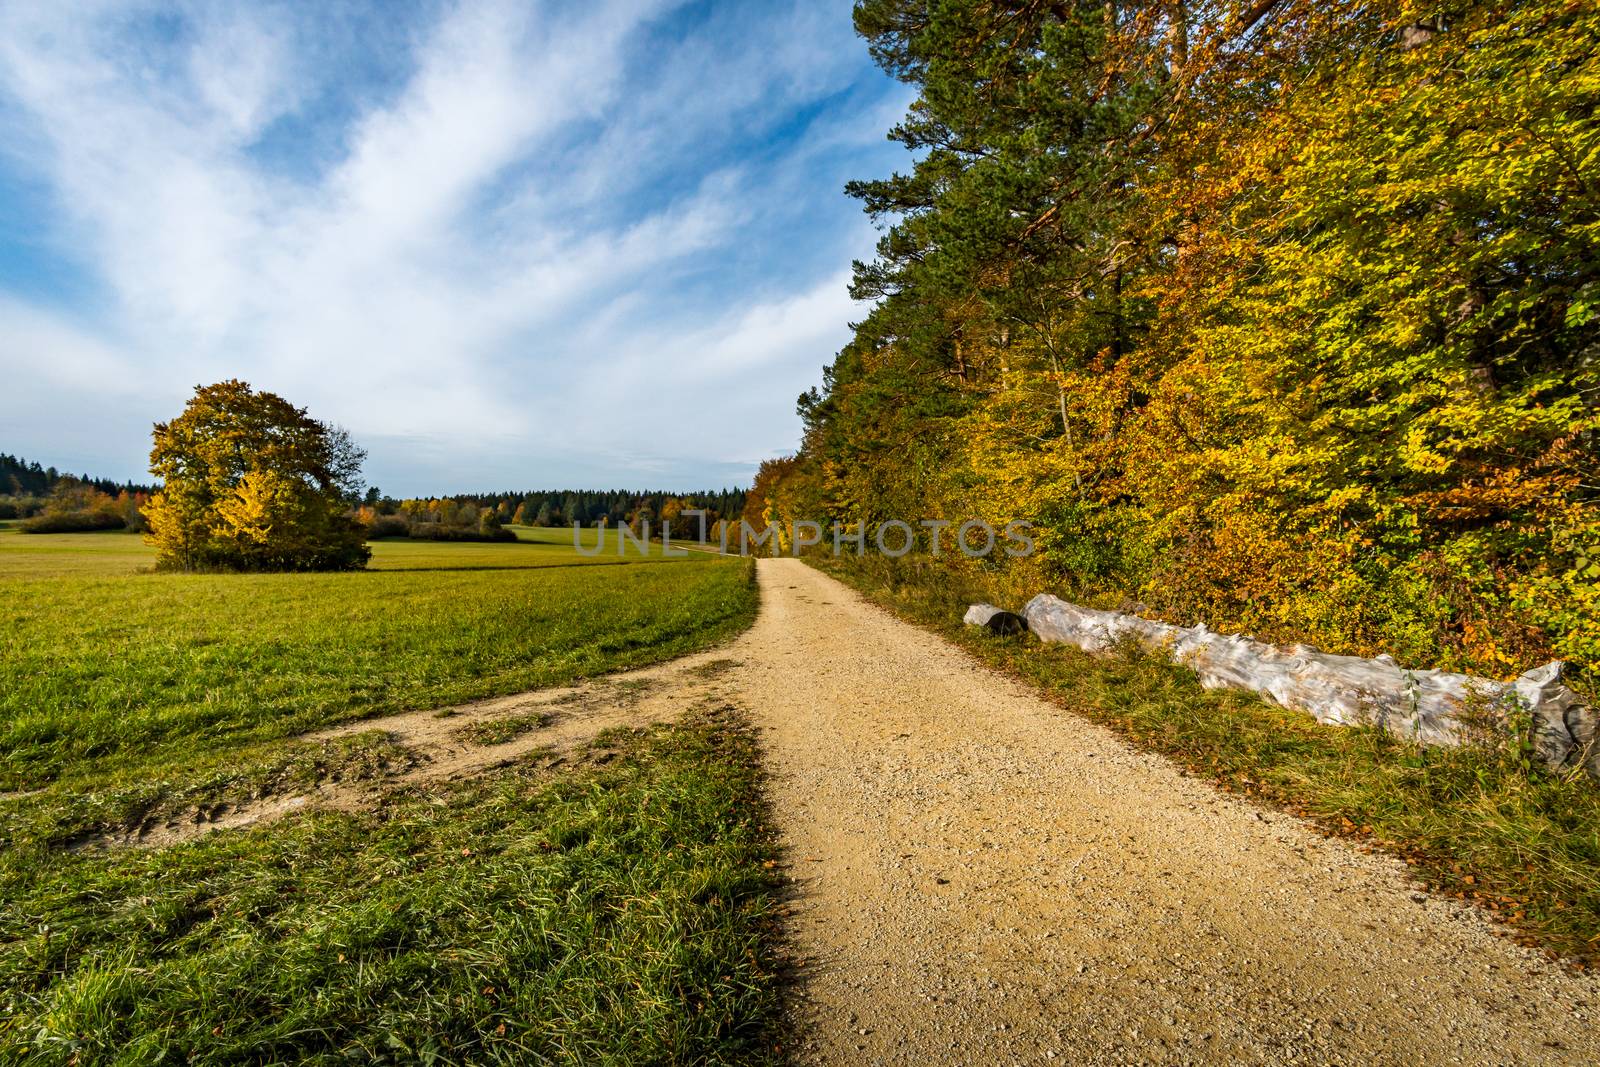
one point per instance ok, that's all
(439, 746)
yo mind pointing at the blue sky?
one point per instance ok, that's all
(507, 244)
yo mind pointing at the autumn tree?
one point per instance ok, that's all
(1281, 315)
(253, 483)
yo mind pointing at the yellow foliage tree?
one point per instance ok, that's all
(251, 482)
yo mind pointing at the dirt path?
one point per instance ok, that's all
(984, 878)
(981, 877)
(434, 748)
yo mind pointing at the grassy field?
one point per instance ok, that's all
(109, 666)
(613, 913)
(120, 554)
(1477, 824)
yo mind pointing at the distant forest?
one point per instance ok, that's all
(53, 501)
(18, 477)
(483, 516)
(561, 507)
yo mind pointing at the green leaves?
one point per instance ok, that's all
(1299, 327)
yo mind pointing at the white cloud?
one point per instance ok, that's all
(51, 351)
(549, 214)
(243, 70)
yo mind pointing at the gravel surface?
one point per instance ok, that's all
(982, 877)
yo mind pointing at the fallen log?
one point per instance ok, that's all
(1431, 707)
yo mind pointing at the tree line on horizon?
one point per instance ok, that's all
(1281, 316)
(53, 502)
(484, 516)
(21, 478)
(587, 507)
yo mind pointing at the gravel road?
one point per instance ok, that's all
(982, 877)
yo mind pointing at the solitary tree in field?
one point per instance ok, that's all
(252, 482)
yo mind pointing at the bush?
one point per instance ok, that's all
(72, 522)
(132, 507)
(19, 507)
(388, 526)
(438, 531)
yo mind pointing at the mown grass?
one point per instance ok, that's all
(617, 915)
(1474, 823)
(119, 553)
(614, 914)
(109, 668)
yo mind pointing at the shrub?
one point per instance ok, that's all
(75, 506)
(73, 521)
(388, 526)
(19, 507)
(438, 531)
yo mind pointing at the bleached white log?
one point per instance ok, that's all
(1429, 706)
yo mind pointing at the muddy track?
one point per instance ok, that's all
(982, 877)
(434, 748)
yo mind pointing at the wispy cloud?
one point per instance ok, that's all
(506, 244)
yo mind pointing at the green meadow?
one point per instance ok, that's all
(611, 911)
(108, 664)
